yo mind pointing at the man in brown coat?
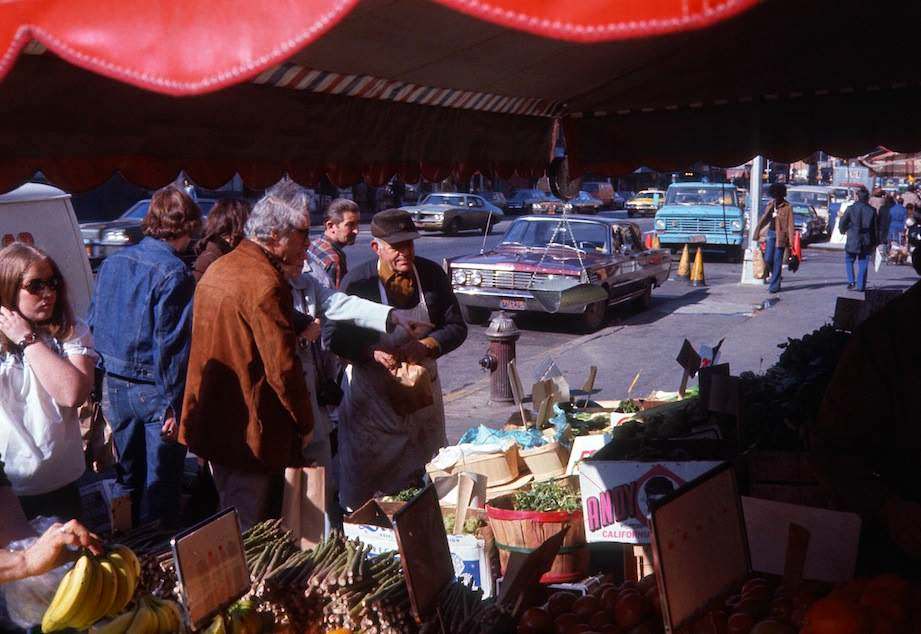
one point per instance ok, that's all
(778, 217)
(247, 408)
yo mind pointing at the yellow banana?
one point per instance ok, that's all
(129, 556)
(79, 587)
(118, 625)
(125, 585)
(172, 609)
(217, 626)
(128, 569)
(53, 613)
(89, 603)
(109, 588)
(145, 620)
(163, 623)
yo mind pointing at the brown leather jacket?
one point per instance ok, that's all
(783, 223)
(246, 404)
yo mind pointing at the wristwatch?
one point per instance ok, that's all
(28, 340)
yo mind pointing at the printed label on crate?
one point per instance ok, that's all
(616, 495)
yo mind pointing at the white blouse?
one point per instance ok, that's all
(40, 441)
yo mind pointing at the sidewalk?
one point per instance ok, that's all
(752, 322)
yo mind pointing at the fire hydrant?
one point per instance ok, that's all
(502, 334)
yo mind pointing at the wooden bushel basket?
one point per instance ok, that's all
(524, 531)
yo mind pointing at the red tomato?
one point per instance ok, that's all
(563, 621)
(600, 619)
(560, 603)
(609, 599)
(536, 621)
(630, 610)
(585, 607)
(740, 623)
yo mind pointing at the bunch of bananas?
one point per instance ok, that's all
(241, 618)
(150, 616)
(95, 587)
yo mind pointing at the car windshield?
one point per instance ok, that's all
(523, 194)
(587, 236)
(701, 196)
(441, 199)
(816, 199)
(139, 209)
(648, 194)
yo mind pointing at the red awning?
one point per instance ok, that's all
(424, 87)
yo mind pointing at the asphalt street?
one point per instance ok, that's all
(633, 342)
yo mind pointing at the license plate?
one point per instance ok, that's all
(512, 304)
(698, 238)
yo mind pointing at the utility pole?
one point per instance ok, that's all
(754, 209)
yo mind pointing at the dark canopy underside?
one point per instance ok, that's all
(783, 79)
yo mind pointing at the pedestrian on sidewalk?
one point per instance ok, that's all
(223, 232)
(778, 219)
(895, 227)
(859, 225)
(141, 318)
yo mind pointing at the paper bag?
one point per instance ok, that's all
(757, 264)
(410, 389)
(98, 442)
(303, 508)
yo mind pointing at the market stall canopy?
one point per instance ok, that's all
(425, 88)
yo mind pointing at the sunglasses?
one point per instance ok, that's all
(37, 286)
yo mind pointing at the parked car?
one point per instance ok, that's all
(496, 198)
(621, 197)
(648, 201)
(577, 265)
(818, 197)
(102, 239)
(522, 201)
(809, 223)
(602, 191)
(454, 212)
(705, 214)
(585, 203)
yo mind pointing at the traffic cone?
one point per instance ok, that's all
(684, 265)
(697, 271)
(655, 241)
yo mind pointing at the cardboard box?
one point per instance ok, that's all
(469, 554)
(616, 495)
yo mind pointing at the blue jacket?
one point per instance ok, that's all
(897, 216)
(141, 317)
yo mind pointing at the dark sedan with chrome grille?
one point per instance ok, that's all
(572, 264)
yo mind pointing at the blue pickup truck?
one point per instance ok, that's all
(702, 214)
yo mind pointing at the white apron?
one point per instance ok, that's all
(380, 450)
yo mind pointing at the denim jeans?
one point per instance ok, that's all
(773, 259)
(863, 262)
(149, 468)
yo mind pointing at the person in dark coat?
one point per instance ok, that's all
(386, 436)
(882, 219)
(859, 224)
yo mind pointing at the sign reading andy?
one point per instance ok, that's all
(616, 495)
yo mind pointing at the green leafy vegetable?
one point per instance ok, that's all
(548, 496)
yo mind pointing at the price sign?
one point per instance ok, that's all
(211, 566)
(689, 360)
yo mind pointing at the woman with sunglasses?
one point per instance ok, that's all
(46, 372)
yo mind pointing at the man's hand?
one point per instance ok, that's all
(52, 549)
(13, 325)
(312, 332)
(414, 352)
(904, 522)
(170, 429)
(416, 329)
(386, 359)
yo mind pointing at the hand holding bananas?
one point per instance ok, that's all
(51, 550)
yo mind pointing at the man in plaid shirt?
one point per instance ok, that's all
(325, 254)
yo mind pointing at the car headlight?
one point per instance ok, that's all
(736, 225)
(459, 277)
(474, 278)
(660, 223)
(438, 217)
(116, 235)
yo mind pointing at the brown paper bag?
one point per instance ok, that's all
(303, 509)
(757, 264)
(411, 389)
(98, 443)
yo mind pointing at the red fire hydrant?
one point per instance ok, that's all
(502, 334)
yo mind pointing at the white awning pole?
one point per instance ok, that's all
(753, 211)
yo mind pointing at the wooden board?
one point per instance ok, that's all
(832, 554)
(424, 553)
